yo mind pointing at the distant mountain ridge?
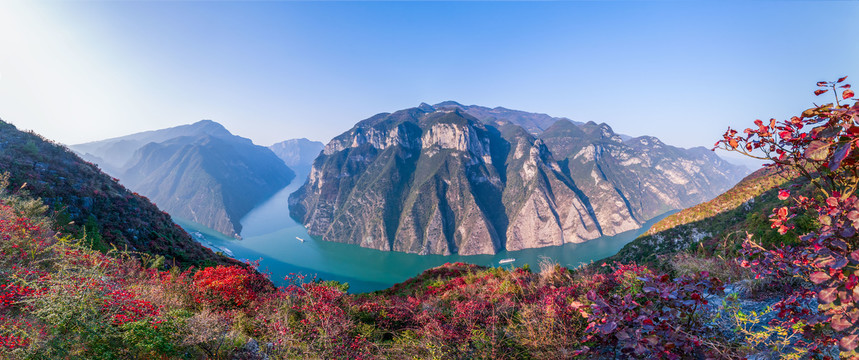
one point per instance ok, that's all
(298, 154)
(113, 154)
(534, 123)
(472, 180)
(199, 172)
(724, 220)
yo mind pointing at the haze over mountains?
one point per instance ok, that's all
(199, 172)
(450, 178)
(298, 154)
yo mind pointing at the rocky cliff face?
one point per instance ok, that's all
(437, 180)
(642, 176)
(199, 172)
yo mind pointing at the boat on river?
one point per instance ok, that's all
(227, 251)
(506, 261)
(299, 239)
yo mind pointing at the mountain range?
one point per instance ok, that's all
(449, 178)
(199, 172)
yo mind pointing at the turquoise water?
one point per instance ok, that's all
(269, 235)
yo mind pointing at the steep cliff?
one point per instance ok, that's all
(435, 179)
(642, 176)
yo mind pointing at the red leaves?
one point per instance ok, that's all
(819, 277)
(227, 286)
(826, 255)
(125, 307)
(660, 321)
(839, 322)
(848, 343)
(828, 295)
(817, 150)
(839, 156)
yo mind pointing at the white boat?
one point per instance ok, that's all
(299, 239)
(506, 261)
(227, 251)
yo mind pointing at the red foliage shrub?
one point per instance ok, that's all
(821, 145)
(652, 316)
(125, 307)
(228, 287)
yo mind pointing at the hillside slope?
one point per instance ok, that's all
(78, 191)
(726, 218)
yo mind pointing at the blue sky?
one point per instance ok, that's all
(680, 70)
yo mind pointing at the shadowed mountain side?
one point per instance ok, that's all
(208, 180)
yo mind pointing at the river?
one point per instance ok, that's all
(271, 236)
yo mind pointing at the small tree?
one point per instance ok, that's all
(821, 145)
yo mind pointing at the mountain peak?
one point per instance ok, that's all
(209, 127)
(449, 103)
(426, 107)
(562, 127)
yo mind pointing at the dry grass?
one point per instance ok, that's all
(727, 270)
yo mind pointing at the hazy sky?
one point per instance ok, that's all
(682, 71)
